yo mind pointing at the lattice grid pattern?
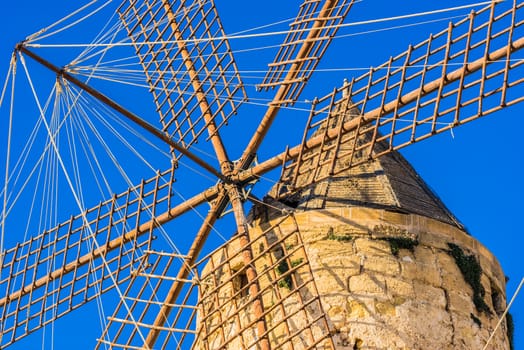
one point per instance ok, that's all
(460, 74)
(292, 309)
(133, 319)
(63, 268)
(305, 34)
(188, 64)
(214, 310)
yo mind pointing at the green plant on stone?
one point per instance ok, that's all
(476, 320)
(296, 262)
(286, 281)
(282, 268)
(330, 233)
(340, 238)
(471, 271)
(397, 243)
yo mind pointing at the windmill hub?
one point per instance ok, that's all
(349, 249)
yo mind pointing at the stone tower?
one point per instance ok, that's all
(367, 259)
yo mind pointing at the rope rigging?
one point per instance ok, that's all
(268, 34)
(86, 142)
(76, 196)
(12, 70)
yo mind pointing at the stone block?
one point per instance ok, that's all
(430, 295)
(466, 242)
(486, 283)
(337, 316)
(417, 223)
(398, 287)
(417, 271)
(383, 264)
(428, 326)
(432, 239)
(441, 227)
(365, 284)
(385, 308)
(367, 247)
(333, 248)
(365, 214)
(392, 218)
(460, 302)
(431, 275)
(356, 309)
(335, 268)
(452, 278)
(466, 331)
(314, 217)
(426, 256)
(327, 284)
(447, 263)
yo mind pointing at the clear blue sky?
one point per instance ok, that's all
(477, 171)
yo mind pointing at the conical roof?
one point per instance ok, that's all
(388, 182)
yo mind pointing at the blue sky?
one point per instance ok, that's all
(477, 170)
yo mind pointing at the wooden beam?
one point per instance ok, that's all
(126, 113)
(251, 273)
(351, 125)
(162, 219)
(220, 205)
(212, 129)
(268, 118)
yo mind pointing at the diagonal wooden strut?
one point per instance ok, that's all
(232, 193)
(372, 116)
(131, 116)
(116, 243)
(305, 50)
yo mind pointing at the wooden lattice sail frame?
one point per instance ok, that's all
(462, 79)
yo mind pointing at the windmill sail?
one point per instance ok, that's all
(203, 319)
(303, 48)
(309, 36)
(65, 267)
(460, 74)
(188, 64)
(262, 275)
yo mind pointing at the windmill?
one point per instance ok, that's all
(452, 78)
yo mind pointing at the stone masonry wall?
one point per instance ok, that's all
(379, 295)
(386, 280)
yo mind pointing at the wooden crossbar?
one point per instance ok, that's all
(192, 75)
(400, 103)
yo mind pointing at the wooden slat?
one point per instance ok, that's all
(87, 255)
(309, 36)
(473, 74)
(183, 98)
